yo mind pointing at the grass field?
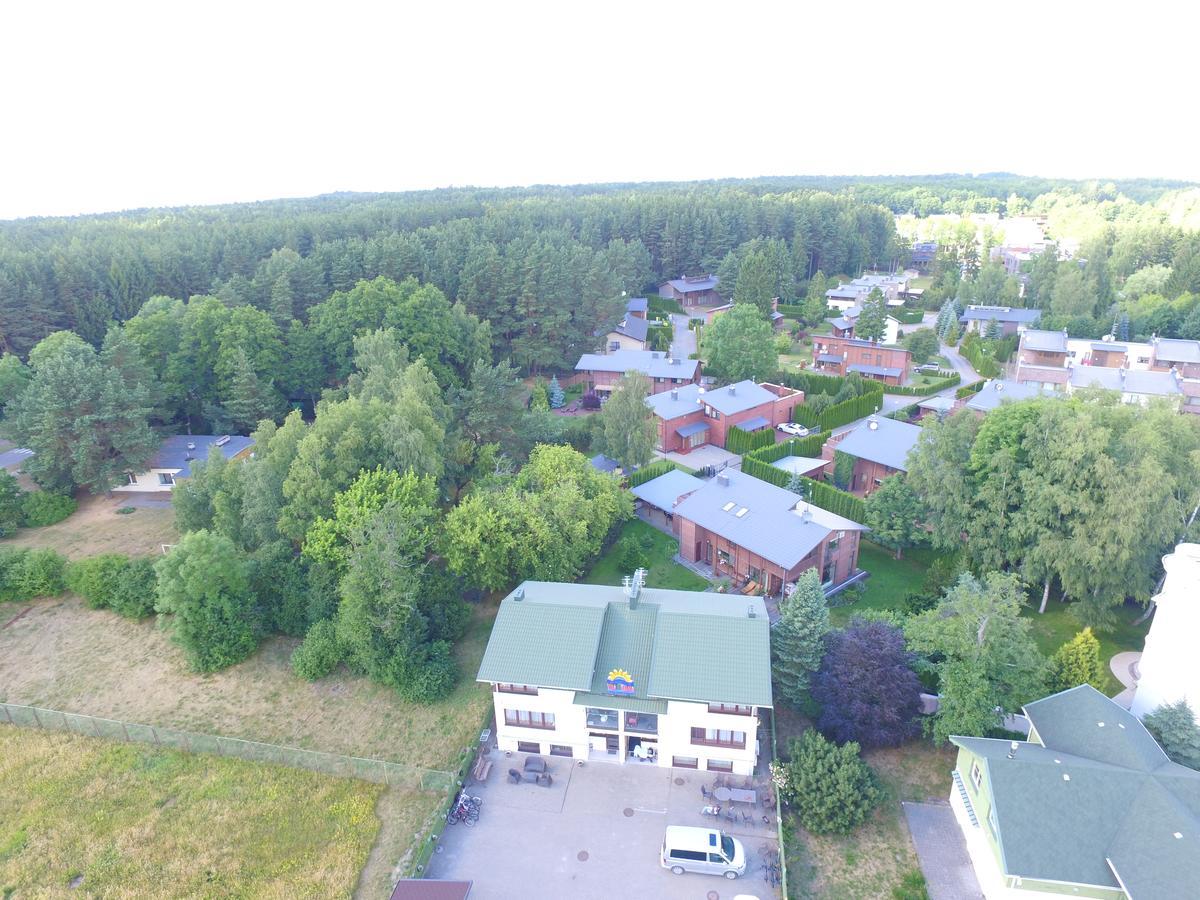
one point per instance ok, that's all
(129, 820)
(663, 571)
(95, 527)
(1057, 625)
(890, 579)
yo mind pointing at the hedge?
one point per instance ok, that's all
(907, 316)
(650, 471)
(826, 496)
(848, 410)
(791, 309)
(806, 446)
(738, 441)
(904, 413)
(41, 508)
(810, 382)
(968, 389)
(911, 391)
(25, 574)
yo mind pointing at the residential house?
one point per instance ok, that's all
(843, 325)
(691, 416)
(637, 307)
(1169, 668)
(1011, 319)
(1133, 385)
(708, 315)
(939, 407)
(923, 254)
(998, 391)
(633, 675)
(891, 286)
(1169, 353)
(628, 334)
(692, 290)
(750, 531)
(880, 447)
(1043, 348)
(175, 456)
(1088, 806)
(841, 356)
(846, 296)
(658, 497)
(600, 372)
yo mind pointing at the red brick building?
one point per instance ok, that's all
(689, 416)
(880, 448)
(1183, 356)
(600, 372)
(843, 355)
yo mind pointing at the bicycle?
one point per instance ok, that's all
(465, 810)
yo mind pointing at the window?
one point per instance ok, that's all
(719, 737)
(992, 823)
(976, 776)
(731, 709)
(695, 855)
(720, 765)
(132, 478)
(516, 689)
(528, 747)
(603, 718)
(560, 750)
(755, 573)
(166, 478)
(525, 719)
(1143, 360)
(685, 762)
(724, 557)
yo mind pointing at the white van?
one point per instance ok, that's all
(705, 850)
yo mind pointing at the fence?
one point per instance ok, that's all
(376, 770)
(783, 887)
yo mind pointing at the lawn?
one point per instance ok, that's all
(130, 820)
(1057, 625)
(663, 571)
(890, 579)
(96, 527)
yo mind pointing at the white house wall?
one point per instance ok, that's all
(148, 482)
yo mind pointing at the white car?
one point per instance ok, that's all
(793, 429)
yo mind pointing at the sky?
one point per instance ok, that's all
(123, 105)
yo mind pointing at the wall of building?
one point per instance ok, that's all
(604, 382)
(854, 354)
(148, 482)
(866, 473)
(623, 342)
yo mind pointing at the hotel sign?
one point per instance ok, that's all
(620, 683)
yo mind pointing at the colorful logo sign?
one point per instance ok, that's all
(620, 682)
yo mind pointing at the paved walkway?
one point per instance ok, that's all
(942, 851)
(1124, 667)
(684, 343)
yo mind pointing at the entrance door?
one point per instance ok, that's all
(612, 743)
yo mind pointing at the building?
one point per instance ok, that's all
(997, 391)
(1089, 806)
(692, 290)
(1043, 348)
(841, 356)
(843, 326)
(600, 372)
(628, 334)
(846, 296)
(939, 407)
(658, 497)
(708, 315)
(637, 307)
(1183, 356)
(923, 255)
(880, 447)
(1169, 670)
(635, 675)
(176, 455)
(1133, 385)
(750, 531)
(893, 287)
(690, 416)
(1010, 319)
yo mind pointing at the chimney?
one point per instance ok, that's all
(632, 586)
(674, 393)
(519, 594)
(750, 613)
(1012, 750)
(732, 389)
(873, 422)
(723, 480)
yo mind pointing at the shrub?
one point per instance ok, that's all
(738, 441)
(650, 472)
(33, 573)
(1174, 726)
(1078, 662)
(136, 589)
(590, 400)
(830, 787)
(320, 652)
(41, 508)
(10, 504)
(116, 582)
(433, 678)
(633, 551)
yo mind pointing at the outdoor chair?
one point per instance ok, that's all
(748, 819)
(705, 793)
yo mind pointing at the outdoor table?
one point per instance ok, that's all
(735, 795)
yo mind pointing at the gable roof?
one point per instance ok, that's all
(179, 451)
(888, 443)
(667, 643)
(776, 524)
(1001, 314)
(1176, 350)
(632, 326)
(728, 400)
(1000, 390)
(1128, 381)
(695, 283)
(1093, 804)
(637, 304)
(1044, 341)
(666, 489)
(649, 362)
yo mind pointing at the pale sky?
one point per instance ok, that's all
(120, 105)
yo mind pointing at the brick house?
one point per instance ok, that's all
(601, 371)
(690, 416)
(708, 315)
(1168, 353)
(1010, 319)
(751, 531)
(692, 290)
(843, 355)
(1043, 348)
(880, 448)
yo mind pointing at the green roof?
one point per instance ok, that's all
(676, 645)
(1118, 810)
(631, 704)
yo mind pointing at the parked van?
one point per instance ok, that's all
(705, 850)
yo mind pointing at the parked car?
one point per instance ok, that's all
(793, 429)
(705, 850)
(931, 368)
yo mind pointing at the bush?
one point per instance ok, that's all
(633, 551)
(10, 504)
(738, 441)
(41, 508)
(320, 652)
(25, 574)
(116, 582)
(432, 679)
(136, 586)
(650, 471)
(590, 400)
(1174, 726)
(830, 787)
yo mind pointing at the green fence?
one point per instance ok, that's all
(376, 770)
(923, 390)
(652, 470)
(819, 493)
(969, 389)
(798, 446)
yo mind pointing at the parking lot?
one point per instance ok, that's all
(596, 832)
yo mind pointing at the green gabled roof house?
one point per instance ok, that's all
(630, 674)
(1089, 806)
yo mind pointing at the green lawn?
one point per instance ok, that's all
(1056, 626)
(663, 571)
(890, 579)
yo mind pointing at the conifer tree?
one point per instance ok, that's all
(1078, 662)
(250, 401)
(799, 639)
(557, 396)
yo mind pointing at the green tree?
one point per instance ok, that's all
(738, 345)
(14, 378)
(871, 324)
(923, 344)
(756, 281)
(283, 301)
(895, 514)
(1078, 662)
(10, 504)
(798, 642)
(1070, 295)
(539, 397)
(1174, 726)
(249, 400)
(628, 428)
(203, 584)
(830, 787)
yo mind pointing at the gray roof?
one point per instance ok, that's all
(1129, 381)
(688, 285)
(845, 292)
(633, 327)
(842, 322)
(1093, 797)
(603, 463)
(800, 464)
(754, 424)
(637, 304)
(728, 400)
(774, 524)
(691, 428)
(649, 362)
(828, 358)
(998, 391)
(1174, 350)
(578, 633)
(888, 443)
(939, 404)
(1107, 345)
(866, 369)
(1045, 341)
(665, 490)
(1001, 314)
(179, 451)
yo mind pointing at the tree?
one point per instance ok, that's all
(249, 400)
(895, 513)
(923, 344)
(756, 282)
(283, 302)
(798, 641)
(490, 405)
(203, 584)
(628, 429)
(738, 345)
(871, 324)
(557, 396)
(866, 687)
(14, 378)
(1078, 662)
(539, 397)
(10, 504)
(986, 660)
(830, 787)
(1174, 726)
(1070, 295)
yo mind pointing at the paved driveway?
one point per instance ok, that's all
(942, 851)
(684, 344)
(595, 834)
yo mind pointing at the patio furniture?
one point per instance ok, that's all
(752, 587)
(748, 819)
(736, 795)
(730, 816)
(535, 764)
(482, 769)
(541, 779)
(705, 793)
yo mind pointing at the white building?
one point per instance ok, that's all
(1170, 666)
(176, 455)
(630, 675)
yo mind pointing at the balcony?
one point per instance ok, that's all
(607, 719)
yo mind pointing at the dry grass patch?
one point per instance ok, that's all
(130, 820)
(96, 527)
